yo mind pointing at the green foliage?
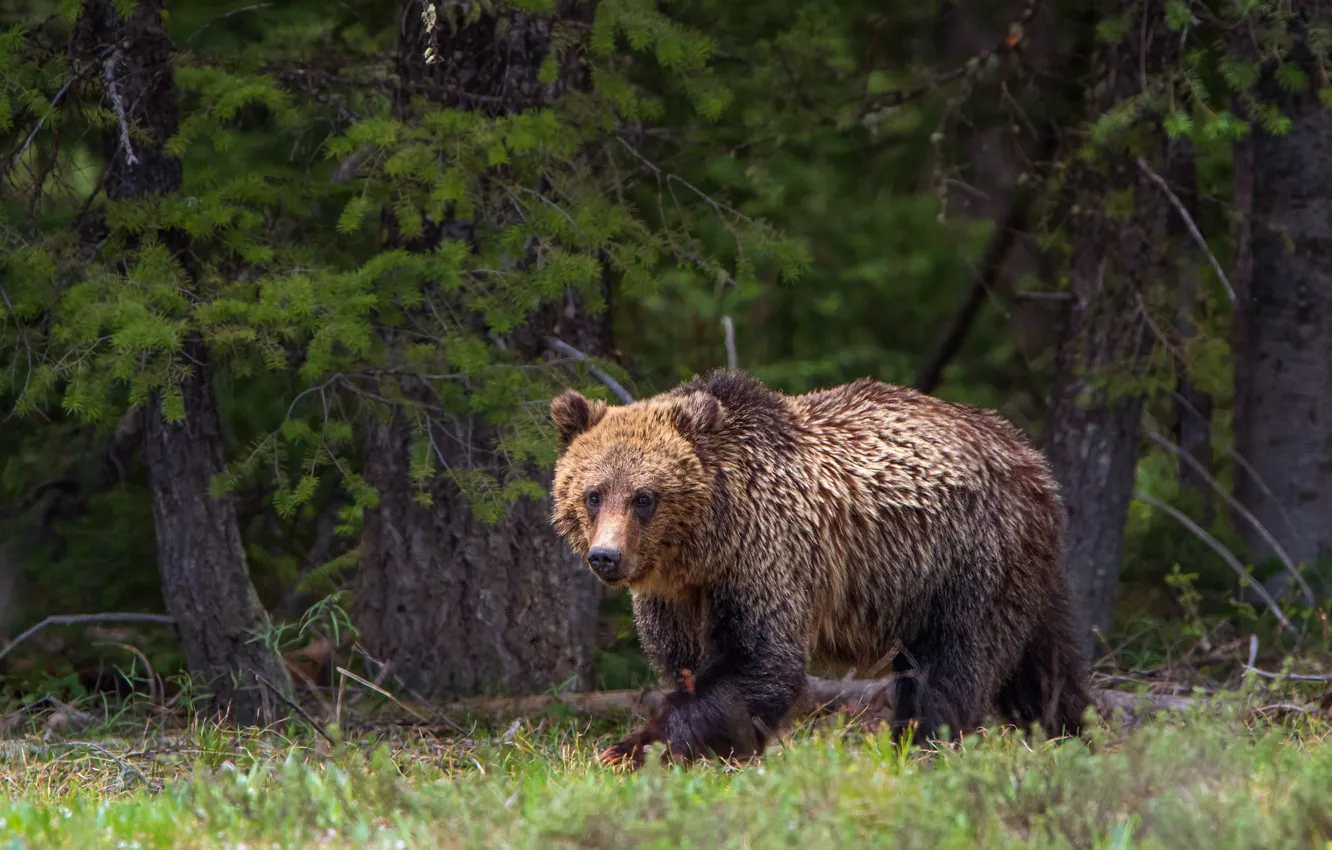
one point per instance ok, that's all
(1207, 778)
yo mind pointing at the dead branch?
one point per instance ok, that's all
(78, 619)
(728, 327)
(602, 375)
(109, 70)
(1010, 43)
(34, 495)
(996, 253)
(825, 696)
(18, 155)
(1239, 509)
(1220, 549)
(1189, 223)
(295, 706)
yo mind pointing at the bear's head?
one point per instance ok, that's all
(630, 488)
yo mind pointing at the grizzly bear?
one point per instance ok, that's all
(758, 531)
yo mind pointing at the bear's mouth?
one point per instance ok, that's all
(613, 577)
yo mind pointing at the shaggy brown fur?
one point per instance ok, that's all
(756, 531)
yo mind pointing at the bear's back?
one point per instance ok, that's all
(913, 449)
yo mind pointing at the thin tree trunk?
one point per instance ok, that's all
(1092, 431)
(205, 583)
(1283, 340)
(1192, 406)
(453, 605)
(201, 557)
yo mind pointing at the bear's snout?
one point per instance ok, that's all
(605, 562)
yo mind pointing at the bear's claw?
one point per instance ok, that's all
(626, 753)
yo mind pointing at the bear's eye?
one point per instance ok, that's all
(594, 499)
(643, 501)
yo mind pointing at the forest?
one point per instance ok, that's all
(286, 290)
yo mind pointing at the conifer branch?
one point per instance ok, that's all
(55, 101)
(1010, 43)
(1189, 223)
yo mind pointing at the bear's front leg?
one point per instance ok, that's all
(751, 675)
(629, 751)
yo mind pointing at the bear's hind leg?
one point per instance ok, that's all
(941, 683)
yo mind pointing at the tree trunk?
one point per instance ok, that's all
(1192, 406)
(1092, 431)
(1283, 336)
(204, 579)
(453, 605)
(205, 583)
(458, 607)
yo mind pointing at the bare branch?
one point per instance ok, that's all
(1219, 548)
(732, 361)
(224, 16)
(1017, 29)
(1189, 223)
(950, 342)
(109, 70)
(69, 485)
(1293, 677)
(1230, 500)
(77, 619)
(602, 375)
(824, 696)
(318, 727)
(55, 101)
(126, 768)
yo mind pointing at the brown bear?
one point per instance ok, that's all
(758, 531)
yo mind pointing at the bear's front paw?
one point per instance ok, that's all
(628, 754)
(700, 729)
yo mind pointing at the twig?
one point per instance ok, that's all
(109, 71)
(613, 385)
(1189, 223)
(732, 361)
(295, 706)
(1230, 500)
(226, 15)
(1220, 549)
(55, 101)
(391, 698)
(78, 619)
(1295, 677)
(1017, 29)
(125, 766)
(69, 485)
(950, 342)
(988, 276)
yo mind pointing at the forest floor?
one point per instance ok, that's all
(1237, 773)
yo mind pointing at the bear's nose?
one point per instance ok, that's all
(605, 562)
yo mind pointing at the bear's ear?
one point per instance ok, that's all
(573, 414)
(698, 413)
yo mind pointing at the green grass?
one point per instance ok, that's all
(1223, 778)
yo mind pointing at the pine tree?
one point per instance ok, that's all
(1283, 344)
(199, 550)
(1115, 258)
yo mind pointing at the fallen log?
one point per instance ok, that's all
(865, 697)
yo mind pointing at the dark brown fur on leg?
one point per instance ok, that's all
(691, 729)
(629, 750)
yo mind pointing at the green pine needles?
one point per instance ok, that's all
(293, 252)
